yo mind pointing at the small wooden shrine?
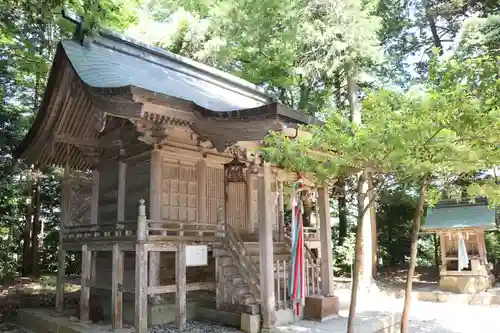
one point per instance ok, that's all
(461, 226)
(164, 193)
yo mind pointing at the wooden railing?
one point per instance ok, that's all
(282, 273)
(171, 230)
(282, 269)
(241, 258)
(142, 229)
(124, 230)
(310, 233)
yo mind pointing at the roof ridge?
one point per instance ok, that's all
(219, 75)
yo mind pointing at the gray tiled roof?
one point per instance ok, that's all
(112, 61)
(460, 216)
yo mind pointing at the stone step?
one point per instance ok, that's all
(247, 299)
(237, 279)
(229, 270)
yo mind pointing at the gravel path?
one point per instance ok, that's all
(194, 327)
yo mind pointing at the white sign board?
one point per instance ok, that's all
(196, 255)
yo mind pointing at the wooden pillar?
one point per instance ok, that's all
(94, 218)
(85, 284)
(201, 169)
(94, 203)
(122, 176)
(481, 246)
(141, 273)
(327, 285)
(442, 241)
(180, 279)
(250, 196)
(155, 190)
(281, 213)
(266, 250)
(61, 255)
(219, 269)
(116, 288)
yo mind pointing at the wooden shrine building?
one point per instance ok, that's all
(162, 193)
(461, 226)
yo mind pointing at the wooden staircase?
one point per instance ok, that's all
(238, 264)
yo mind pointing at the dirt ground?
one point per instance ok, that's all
(36, 293)
(31, 293)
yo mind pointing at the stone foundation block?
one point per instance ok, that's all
(321, 308)
(465, 284)
(250, 323)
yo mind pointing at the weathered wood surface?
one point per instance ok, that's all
(155, 290)
(85, 284)
(141, 289)
(141, 274)
(116, 287)
(155, 196)
(180, 277)
(266, 250)
(61, 274)
(137, 186)
(122, 181)
(327, 284)
(108, 191)
(251, 200)
(179, 185)
(61, 255)
(94, 204)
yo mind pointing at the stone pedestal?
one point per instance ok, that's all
(321, 308)
(250, 323)
(465, 284)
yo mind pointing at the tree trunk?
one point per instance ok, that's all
(357, 255)
(365, 268)
(413, 256)
(35, 232)
(373, 218)
(362, 234)
(432, 25)
(342, 202)
(26, 267)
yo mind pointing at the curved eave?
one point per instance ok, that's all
(70, 108)
(254, 124)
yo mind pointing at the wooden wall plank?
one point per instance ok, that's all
(138, 186)
(108, 191)
(201, 169)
